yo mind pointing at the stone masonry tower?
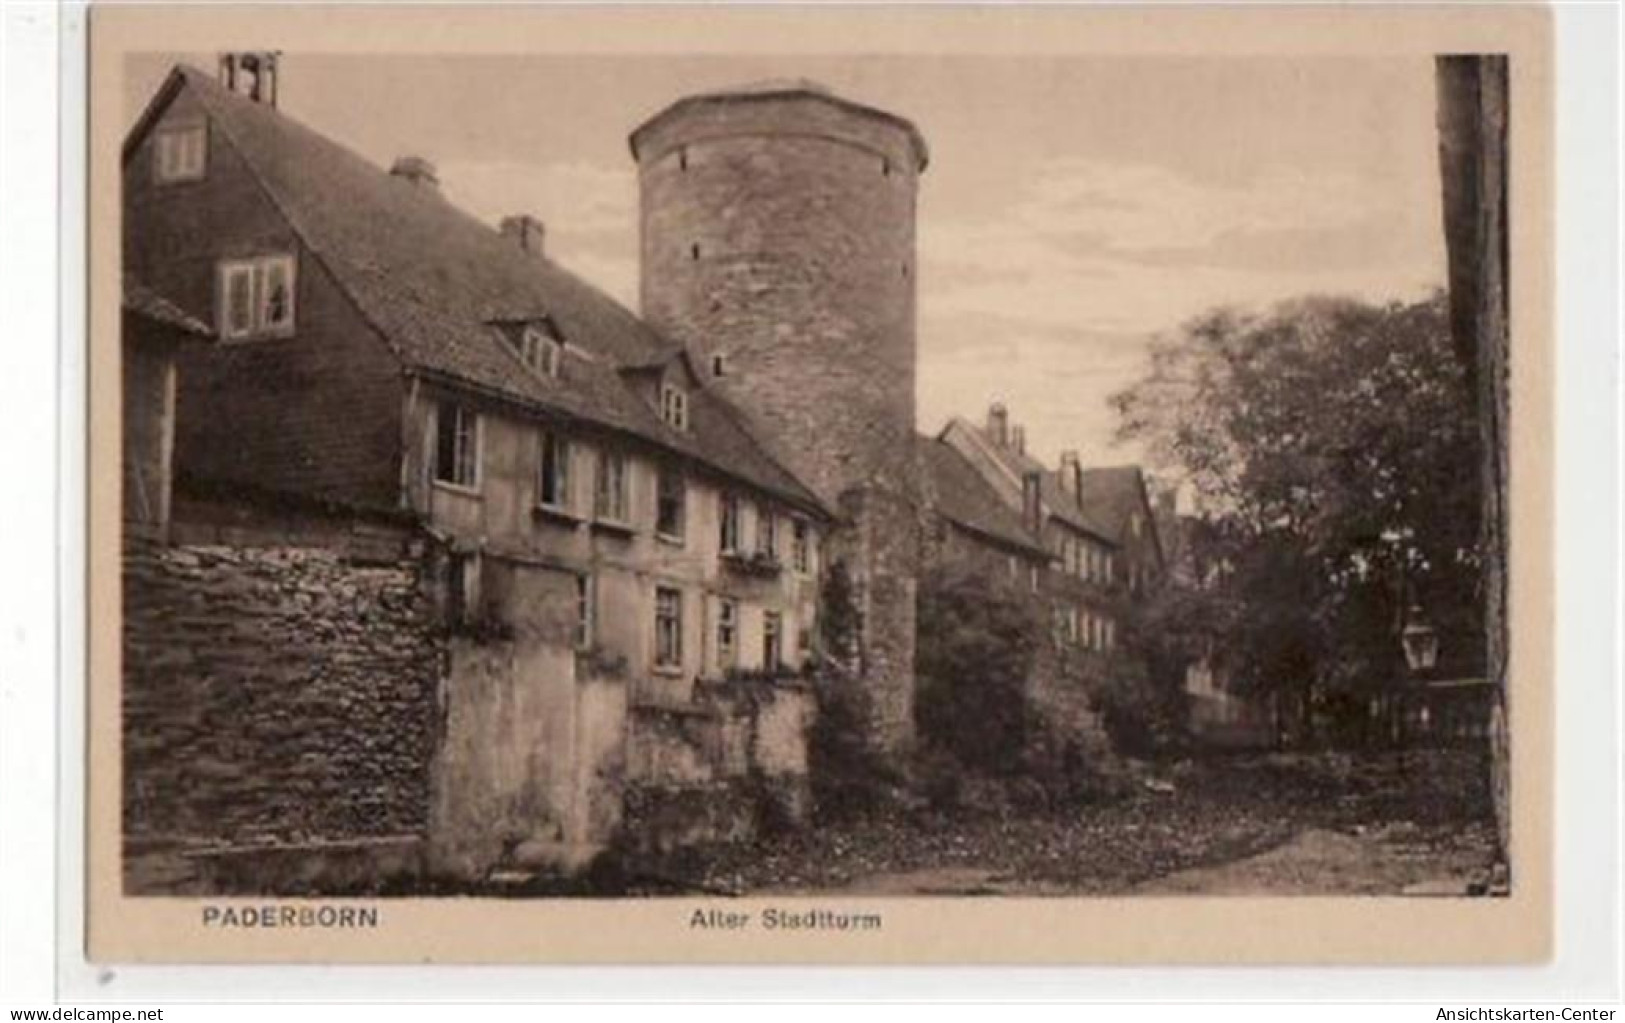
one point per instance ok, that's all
(777, 240)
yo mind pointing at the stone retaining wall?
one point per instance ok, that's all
(275, 695)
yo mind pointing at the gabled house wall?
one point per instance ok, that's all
(315, 413)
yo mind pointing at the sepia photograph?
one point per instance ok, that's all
(795, 485)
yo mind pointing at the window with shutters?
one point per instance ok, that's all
(256, 297)
(180, 154)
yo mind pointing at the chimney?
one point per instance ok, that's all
(1032, 509)
(998, 424)
(526, 231)
(417, 170)
(251, 74)
(1018, 439)
(1071, 473)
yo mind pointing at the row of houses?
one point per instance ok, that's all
(612, 537)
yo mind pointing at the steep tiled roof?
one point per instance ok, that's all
(143, 301)
(960, 494)
(1114, 493)
(432, 279)
(1057, 499)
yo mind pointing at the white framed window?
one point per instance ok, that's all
(540, 350)
(772, 640)
(727, 634)
(457, 446)
(729, 517)
(1032, 578)
(553, 482)
(767, 531)
(668, 627)
(180, 153)
(609, 495)
(801, 547)
(586, 613)
(256, 297)
(674, 406)
(671, 504)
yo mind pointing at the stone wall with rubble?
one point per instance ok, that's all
(275, 696)
(726, 766)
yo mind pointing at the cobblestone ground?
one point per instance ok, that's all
(1389, 823)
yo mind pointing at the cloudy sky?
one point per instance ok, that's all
(1073, 208)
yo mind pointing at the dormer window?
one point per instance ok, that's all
(540, 348)
(179, 154)
(674, 406)
(256, 297)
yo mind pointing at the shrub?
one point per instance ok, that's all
(979, 639)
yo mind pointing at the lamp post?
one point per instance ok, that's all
(1419, 641)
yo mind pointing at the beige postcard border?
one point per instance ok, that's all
(1156, 930)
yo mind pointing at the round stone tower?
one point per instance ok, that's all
(777, 243)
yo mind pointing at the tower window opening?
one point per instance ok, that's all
(682, 158)
(719, 366)
(885, 168)
(694, 251)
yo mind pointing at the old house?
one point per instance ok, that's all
(1117, 497)
(604, 541)
(1087, 566)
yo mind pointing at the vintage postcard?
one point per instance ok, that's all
(865, 485)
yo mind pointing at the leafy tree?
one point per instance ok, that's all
(1330, 449)
(972, 695)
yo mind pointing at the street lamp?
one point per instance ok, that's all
(1420, 640)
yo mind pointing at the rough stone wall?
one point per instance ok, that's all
(882, 550)
(275, 695)
(717, 770)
